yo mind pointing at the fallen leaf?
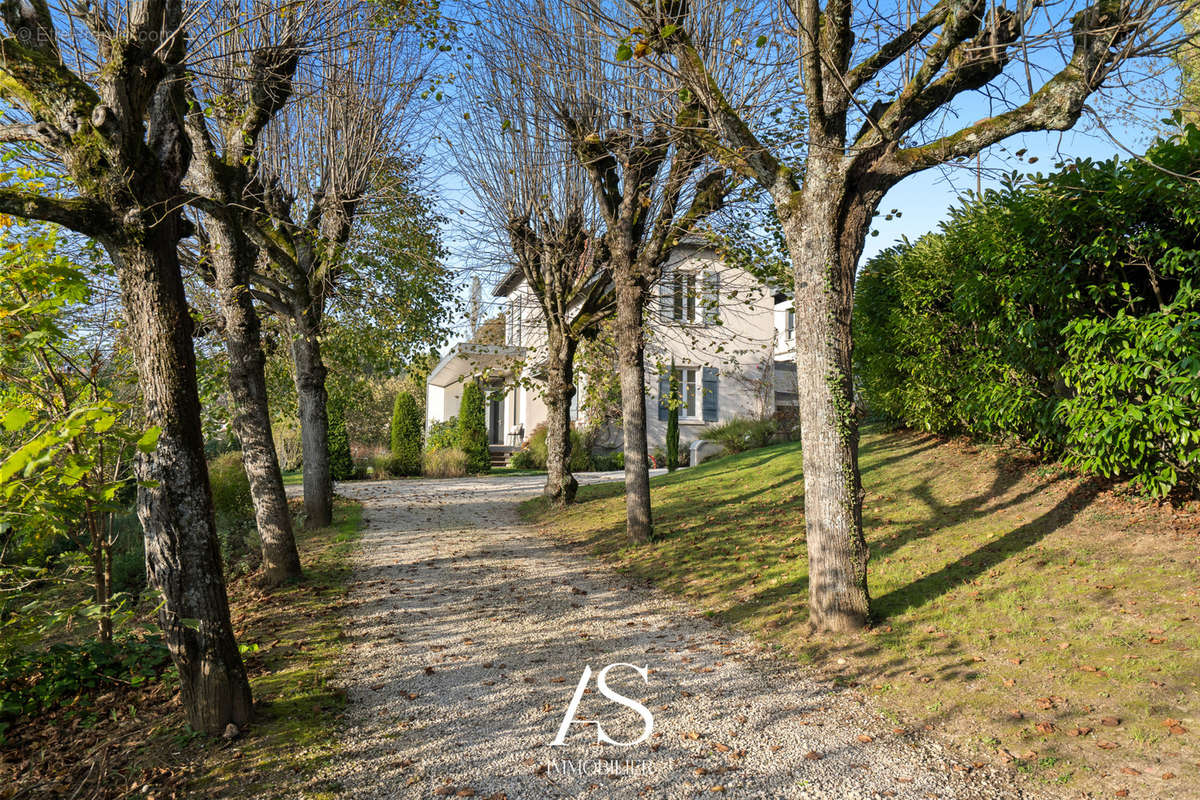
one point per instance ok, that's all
(1106, 745)
(1166, 776)
(1045, 727)
(1111, 722)
(862, 737)
(813, 755)
(1130, 771)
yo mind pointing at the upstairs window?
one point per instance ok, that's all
(683, 297)
(790, 325)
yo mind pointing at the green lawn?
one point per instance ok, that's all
(1021, 610)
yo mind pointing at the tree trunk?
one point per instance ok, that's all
(174, 499)
(824, 241)
(314, 423)
(560, 389)
(631, 297)
(232, 259)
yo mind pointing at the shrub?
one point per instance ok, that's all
(522, 459)
(535, 451)
(673, 426)
(450, 462)
(288, 445)
(1136, 383)
(406, 436)
(472, 429)
(741, 433)
(609, 462)
(442, 435)
(1057, 311)
(341, 465)
(233, 509)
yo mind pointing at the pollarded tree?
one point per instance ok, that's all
(321, 160)
(246, 80)
(882, 93)
(651, 184)
(99, 95)
(406, 435)
(537, 201)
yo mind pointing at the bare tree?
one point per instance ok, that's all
(97, 97)
(319, 160)
(651, 186)
(536, 196)
(243, 80)
(882, 93)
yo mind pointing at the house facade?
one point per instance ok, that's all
(726, 335)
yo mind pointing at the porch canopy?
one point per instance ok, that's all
(470, 359)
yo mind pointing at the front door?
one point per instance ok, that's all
(495, 422)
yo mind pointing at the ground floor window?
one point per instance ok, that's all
(687, 386)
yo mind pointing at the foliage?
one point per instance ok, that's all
(472, 429)
(341, 465)
(742, 433)
(609, 462)
(442, 435)
(35, 680)
(406, 436)
(673, 423)
(448, 462)
(233, 508)
(533, 454)
(67, 431)
(523, 459)
(1060, 311)
(1136, 403)
(596, 363)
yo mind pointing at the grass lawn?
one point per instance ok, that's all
(1033, 617)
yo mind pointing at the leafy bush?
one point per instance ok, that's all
(472, 429)
(442, 435)
(741, 433)
(535, 451)
(406, 436)
(1136, 400)
(450, 462)
(609, 462)
(341, 464)
(522, 459)
(233, 508)
(1058, 311)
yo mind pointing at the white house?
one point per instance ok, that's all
(727, 334)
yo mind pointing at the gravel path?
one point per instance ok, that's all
(470, 634)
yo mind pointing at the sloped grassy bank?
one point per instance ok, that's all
(1036, 618)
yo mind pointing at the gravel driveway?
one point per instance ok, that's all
(468, 640)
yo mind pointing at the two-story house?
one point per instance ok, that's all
(725, 332)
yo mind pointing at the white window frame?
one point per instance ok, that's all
(789, 324)
(681, 374)
(683, 297)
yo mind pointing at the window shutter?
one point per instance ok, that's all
(664, 391)
(666, 296)
(712, 297)
(710, 405)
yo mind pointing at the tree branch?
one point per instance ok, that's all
(77, 213)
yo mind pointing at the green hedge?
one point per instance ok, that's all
(472, 429)
(406, 436)
(1060, 310)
